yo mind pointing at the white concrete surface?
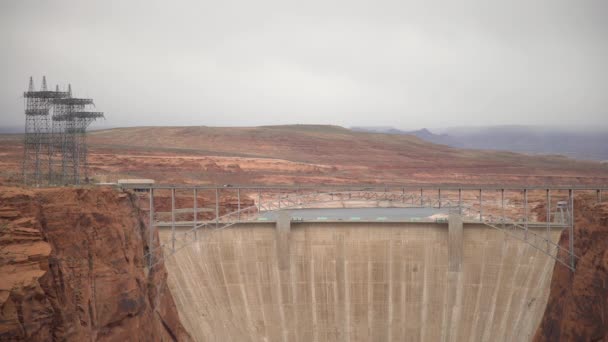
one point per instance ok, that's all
(359, 282)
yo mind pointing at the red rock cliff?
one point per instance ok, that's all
(72, 268)
(577, 309)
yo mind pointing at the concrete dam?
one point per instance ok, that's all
(360, 281)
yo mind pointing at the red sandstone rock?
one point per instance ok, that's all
(73, 268)
(577, 309)
(8, 213)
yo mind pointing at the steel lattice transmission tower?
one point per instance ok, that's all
(38, 105)
(69, 149)
(55, 149)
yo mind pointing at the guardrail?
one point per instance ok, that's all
(274, 198)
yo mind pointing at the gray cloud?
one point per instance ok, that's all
(402, 63)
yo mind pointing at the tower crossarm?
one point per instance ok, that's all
(77, 115)
(72, 101)
(37, 111)
(46, 94)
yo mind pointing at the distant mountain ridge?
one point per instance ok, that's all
(523, 139)
(11, 129)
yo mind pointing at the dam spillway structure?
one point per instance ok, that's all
(481, 272)
(55, 148)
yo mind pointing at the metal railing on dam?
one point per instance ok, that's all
(505, 208)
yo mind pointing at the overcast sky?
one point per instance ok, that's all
(407, 64)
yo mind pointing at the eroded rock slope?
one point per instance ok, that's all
(72, 268)
(577, 309)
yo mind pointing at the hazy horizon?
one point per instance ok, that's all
(100, 125)
(403, 64)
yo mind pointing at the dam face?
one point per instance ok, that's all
(348, 281)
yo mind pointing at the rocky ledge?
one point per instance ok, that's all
(72, 268)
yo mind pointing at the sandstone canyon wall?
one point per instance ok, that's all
(72, 268)
(577, 309)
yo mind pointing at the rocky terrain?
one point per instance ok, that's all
(577, 309)
(303, 154)
(73, 269)
(72, 261)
